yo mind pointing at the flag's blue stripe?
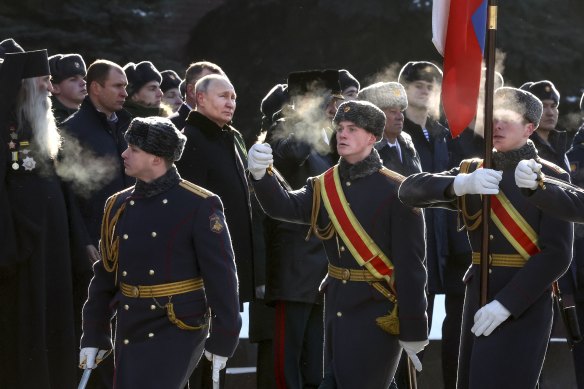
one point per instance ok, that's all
(479, 22)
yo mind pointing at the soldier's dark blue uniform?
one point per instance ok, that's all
(525, 290)
(169, 231)
(359, 352)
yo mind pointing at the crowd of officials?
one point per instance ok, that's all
(135, 222)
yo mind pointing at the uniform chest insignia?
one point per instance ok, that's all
(216, 223)
(28, 163)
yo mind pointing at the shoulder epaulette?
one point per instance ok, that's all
(199, 191)
(552, 166)
(392, 175)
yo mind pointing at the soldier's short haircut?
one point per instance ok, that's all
(99, 70)
(195, 69)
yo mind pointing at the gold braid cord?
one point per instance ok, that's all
(109, 243)
(321, 233)
(471, 222)
(177, 322)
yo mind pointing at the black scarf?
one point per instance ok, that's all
(369, 165)
(159, 185)
(510, 159)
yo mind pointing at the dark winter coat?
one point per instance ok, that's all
(410, 160)
(215, 158)
(524, 291)
(179, 118)
(358, 352)
(105, 144)
(296, 267)
(170, 230)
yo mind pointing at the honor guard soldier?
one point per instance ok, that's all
(529, 250)
(167, 271)
(69, 87)
(375, 250)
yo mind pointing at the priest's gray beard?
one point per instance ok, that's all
(34, 110)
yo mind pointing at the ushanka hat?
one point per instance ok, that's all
(346, 79)
(523, 102)
(139, 75)
(170, 80)
(543, 90)
(364, 114)
(64, 66)
(419, 70)
(157, 136)
(385, 95)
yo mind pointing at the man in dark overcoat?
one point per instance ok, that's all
(167, 271)
(529, 250)
(362, 340)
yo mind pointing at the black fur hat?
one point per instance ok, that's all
(157, 136)
(419, 70)
(523, 102)
(346, 80)
(8, 46)
(364, 115)
(543, 90)
(170, 80)
(139, 75)
(64, 66)
(301, 83)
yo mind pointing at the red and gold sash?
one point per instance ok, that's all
(509, 221)
(362, 247)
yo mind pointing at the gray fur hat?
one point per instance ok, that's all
(385, 95)
(157, 136)
(364, 115)
(523, 102)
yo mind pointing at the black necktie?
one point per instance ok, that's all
(394, 154)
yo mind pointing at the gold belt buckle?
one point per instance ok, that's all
(135, 291)
(346, 275)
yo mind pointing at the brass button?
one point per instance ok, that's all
(491, 237)
(124, 273)
(126, 307)
(164, 201)
(342, 248)
(151, 272)
(126, 341)
(490, 271)
(339, 314)
(135, 291)
(344, 281)
(153, 234)
(348, 183)
(125, 236)
(151, 335)
(132, 202)
(153, 307)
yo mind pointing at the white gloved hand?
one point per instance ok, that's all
(219, 363)
(526, 174)
(259, 159)
(481, 181)
(90, 357)
(489, 317)
(412, 348)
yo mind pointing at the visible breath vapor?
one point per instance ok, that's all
(306, 122)
(85, 171)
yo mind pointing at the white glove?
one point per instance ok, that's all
(481, 181)
(219, 363)
(526, 174)
(90, 357)
(489, 317)
(412, 348)
(259, 159)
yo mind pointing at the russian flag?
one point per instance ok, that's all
(459, 29)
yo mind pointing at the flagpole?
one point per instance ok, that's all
(488, 133)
